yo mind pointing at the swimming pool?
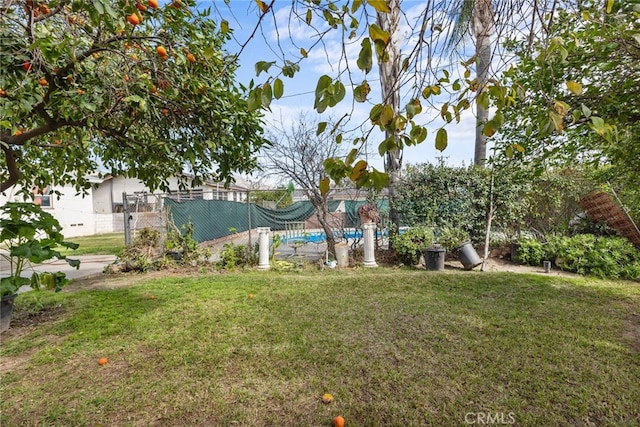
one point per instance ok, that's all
(321, 237)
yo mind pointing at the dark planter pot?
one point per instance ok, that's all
(6, 308)
(468, 256)
(434, 258)
(514, 252)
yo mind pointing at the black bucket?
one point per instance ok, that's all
(434, 258)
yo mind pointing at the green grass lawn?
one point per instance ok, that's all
(394, 348)
(100, 244)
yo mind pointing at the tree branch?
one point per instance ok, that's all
(12, 167)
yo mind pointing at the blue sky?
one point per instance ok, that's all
(298, 96)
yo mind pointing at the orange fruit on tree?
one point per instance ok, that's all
(338, 421)
(161, 51)
(43, 82)
(141, 7)
(45, 9)
(133, 19)
(102, 361)
(26, 66)
(191, 57)
(153, 4)
(177, 4)
(2, 92)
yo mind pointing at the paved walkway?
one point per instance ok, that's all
(89, 266)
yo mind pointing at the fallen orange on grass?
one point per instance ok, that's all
(102, 361)
(327, 398)
(338, 421)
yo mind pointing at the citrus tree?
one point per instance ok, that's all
(131, 87)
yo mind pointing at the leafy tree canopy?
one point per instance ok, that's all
(130, 86)
(581, 89)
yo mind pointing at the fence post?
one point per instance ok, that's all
(127, 219)
(250, 248)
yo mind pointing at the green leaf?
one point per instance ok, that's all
(267, 95)
(377, 34)
(413, 108)
(356, 5)
(278, 88)
(358, 169)
(351, 156)
(610, 5)
(441, 139)
(263, 66)
(489, 128)
(209, 52)
(324, 186)
(303, 52)
(586, 111)
(224, 26)
(386, 116)
(375, 113)
(418, 134)
(379, 179)
(360, 92)
(321, 127)
(574, 87)
(254, 101)
(379, 5)
(558, 120)
(365, 59)
(308, 17)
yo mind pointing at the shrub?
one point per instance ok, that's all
(237, 255)
(600, 256)
(409, 244)
(531, 251)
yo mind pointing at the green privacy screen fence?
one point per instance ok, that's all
(213, 219)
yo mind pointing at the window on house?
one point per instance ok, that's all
(42, 197)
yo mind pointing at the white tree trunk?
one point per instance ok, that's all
(482, 25)
(390, 84)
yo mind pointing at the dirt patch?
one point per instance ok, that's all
(24, 319)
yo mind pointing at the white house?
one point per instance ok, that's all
(101, 210)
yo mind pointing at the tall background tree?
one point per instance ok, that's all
(479, 16)
(130, 87)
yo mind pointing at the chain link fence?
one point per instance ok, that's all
(215, 220)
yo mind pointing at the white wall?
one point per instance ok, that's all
(73, 212)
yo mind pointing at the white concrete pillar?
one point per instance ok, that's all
(263, 248)
(369, 247)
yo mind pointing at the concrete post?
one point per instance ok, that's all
(263, 248)
(369, 247)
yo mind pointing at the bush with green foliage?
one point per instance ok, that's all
(237, 255)
(409, 244)
(442, 196)
(531, 251)
(602, 256)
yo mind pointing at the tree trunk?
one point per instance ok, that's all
(482, 25)
(322, 213)
(390, 84)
